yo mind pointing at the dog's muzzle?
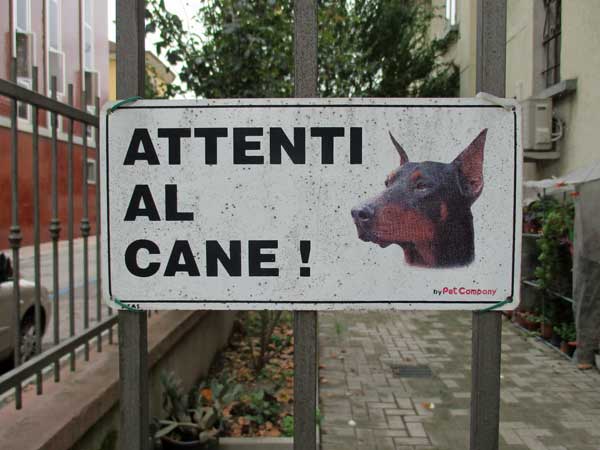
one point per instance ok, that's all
(363, 219)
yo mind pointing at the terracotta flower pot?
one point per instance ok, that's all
(564, 346)
(546, 330)
(528, 324)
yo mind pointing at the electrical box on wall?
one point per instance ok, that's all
(537, 124)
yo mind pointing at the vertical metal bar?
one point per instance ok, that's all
(85, 229)
(55, 228)
(133, 342)
(14, 236)
(487, 326)
(98, 259)
(305, 322)
(70, 228)
(35, 172)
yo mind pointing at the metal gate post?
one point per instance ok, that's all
(133, 332)
(305, 322)
(487, 326)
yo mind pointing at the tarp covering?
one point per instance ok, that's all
(586, 270)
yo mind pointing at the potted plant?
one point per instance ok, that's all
(568, 334)
(192, 421)
(527, 320)
(553, 271)
(546, 329)
(533, 213)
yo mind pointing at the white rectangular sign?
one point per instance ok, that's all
(311, 204)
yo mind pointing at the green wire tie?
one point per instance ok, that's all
(117, 105)
(124, 305)
(497, 305)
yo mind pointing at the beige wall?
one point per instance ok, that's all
(463, 51)
(580, 59)
(519, 49)
(112, 78)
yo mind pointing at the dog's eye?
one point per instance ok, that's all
(421, 186)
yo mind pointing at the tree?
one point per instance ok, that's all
(366, 48)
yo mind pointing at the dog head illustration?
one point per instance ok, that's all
(426, 208)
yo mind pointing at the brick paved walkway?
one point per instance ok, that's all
(546, 403)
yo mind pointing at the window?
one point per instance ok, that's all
(24, 109)
(91, 131)
(23, 50)
(56, 58)
(91, 171)
(24, 54)
(552, 42)
(90, 84)
(451, 12)
(88, 34)
(23, 17)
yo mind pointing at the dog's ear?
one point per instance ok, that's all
(470, 166)
(399, 149)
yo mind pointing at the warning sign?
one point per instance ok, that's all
(311, 204)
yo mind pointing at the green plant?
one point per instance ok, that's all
(261, 407)
(566, 331)
(340, 328)
(191, 416)
(319, 417)
(260, 326)
(287, 426)
(533, 214)
(554, 260)
(376, 48)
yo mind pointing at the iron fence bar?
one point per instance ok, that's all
(70, 226)
(305, 322)
(16, 377)
(12, 90)
(55, 227)
(35, 172)
(14, 236)
(85, 230)
(98, 254)
(487, 326)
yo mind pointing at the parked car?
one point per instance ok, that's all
(27, 313)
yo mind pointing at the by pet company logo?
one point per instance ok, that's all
(463, 291)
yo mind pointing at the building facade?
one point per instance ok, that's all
(66, 40)
(551, 53)
(158, 75)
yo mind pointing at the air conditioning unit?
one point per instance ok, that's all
(91, 87)
(538, 140)
(24, 54)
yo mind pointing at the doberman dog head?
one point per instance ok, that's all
(426, 208)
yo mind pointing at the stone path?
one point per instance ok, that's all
(546, 403)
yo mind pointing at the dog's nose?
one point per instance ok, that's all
(363, 213)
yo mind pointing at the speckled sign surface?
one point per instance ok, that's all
(311, 204)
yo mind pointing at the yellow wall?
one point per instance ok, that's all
(158, 74)
(519, 49)
(580, 59)
(112, 79)
(463, 51)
